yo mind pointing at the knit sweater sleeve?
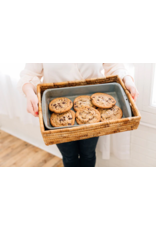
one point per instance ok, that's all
(32, 73)
(115, 69)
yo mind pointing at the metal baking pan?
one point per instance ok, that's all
(114, 89)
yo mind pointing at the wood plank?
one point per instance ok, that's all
(43, 161)
(35, 158)
(26, 158)
(11, 151)
(22, 157)
(59, 165)
(5, 151)
(3, 134)
(18, 153)
(15, 143)
(12, 158)
(5, 140)
(52, 162)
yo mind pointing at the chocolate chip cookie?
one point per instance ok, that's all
(63, 119)
(60, 105)
(113, 113)
(82, 101)
(87, 115)
(103, 100)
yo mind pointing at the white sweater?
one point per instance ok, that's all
(34, 72)
(69, 72)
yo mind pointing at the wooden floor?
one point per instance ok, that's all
(17, 153)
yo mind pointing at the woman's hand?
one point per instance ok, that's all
(130, 85)
(32, 100)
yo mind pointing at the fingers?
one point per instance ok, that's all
(30, 109)
(130, 85)
(135, 97)
(134, 93)
(35, 106)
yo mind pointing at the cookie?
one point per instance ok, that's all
(113, 113)
(82, 101)
(60, 105)
(87, 115)
(63, 119)
(103, 100)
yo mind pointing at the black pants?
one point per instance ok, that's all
(79, 153)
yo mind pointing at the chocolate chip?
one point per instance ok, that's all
(69, 123)
(63, 102)
(70, 118)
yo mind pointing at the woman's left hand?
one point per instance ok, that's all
(130, 85)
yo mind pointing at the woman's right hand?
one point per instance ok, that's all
(32, 100)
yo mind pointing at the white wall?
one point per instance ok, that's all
(143, 150)
(143, 140)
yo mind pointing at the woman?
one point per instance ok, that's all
(76, 153)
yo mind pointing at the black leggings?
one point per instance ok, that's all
(79, 153)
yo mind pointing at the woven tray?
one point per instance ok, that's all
(88, 130)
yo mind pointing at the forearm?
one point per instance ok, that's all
(28, 88)
(128, 78)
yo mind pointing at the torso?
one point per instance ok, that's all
(71, 71)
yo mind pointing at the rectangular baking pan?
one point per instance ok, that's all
(114, 89)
